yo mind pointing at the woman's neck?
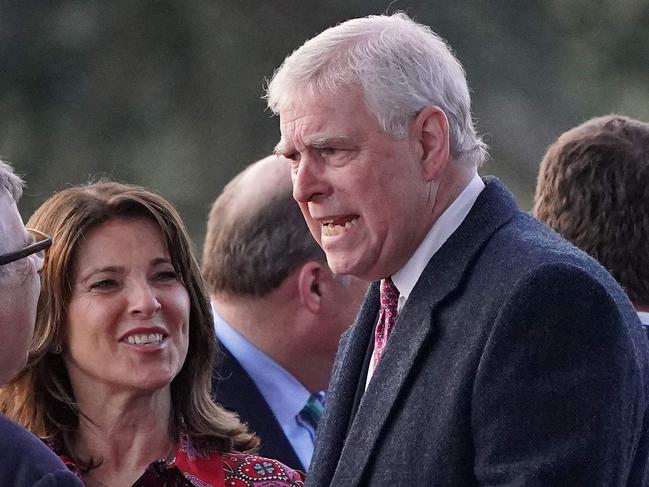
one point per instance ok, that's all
(126, 433)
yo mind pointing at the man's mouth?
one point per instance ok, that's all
(339, 225)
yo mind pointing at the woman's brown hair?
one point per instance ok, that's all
(41, 398)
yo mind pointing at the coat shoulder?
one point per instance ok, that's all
(26, 460)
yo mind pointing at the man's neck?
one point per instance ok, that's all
(446, 223)
(274, 328)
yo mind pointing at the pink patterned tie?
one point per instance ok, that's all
(387, 316)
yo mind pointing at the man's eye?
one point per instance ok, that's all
(292, 156)
(328, 151)
(294, 160)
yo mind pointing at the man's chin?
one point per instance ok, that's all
(337, 265)
(344, 265)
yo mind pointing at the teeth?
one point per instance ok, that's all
(144, 339)
(330, 229)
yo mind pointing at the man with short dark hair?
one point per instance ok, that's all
(279, 310)
(593, 188)
(24, 459)
(490, 351)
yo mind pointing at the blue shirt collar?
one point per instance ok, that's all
(268, 375)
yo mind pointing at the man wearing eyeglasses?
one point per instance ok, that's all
(24, 459)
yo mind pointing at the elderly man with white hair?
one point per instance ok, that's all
(490, 351)
(24, 459)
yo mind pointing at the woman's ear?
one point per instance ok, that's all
(431, 127)
(310, 284)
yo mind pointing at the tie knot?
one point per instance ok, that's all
(389, 295)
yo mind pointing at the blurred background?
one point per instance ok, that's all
(167, 94)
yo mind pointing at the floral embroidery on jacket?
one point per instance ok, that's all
(194, 466)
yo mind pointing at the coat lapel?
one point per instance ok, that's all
(340, 395)
(414, 328)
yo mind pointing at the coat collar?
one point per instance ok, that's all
(414, 327)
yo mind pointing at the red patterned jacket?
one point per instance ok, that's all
(196, 467)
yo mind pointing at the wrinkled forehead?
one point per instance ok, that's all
(312, 119)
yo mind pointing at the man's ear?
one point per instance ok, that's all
(310, 287)
(431, 127)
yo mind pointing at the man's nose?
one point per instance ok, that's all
(309, 181)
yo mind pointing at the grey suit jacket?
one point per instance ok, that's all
(516, 361)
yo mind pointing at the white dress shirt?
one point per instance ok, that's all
(644, 317)
(285, 395)
(406, 278)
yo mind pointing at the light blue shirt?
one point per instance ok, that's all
(285, 395)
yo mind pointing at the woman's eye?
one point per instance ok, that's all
(167, 275)
(103, 284)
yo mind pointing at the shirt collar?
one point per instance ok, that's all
(285, 395)
(644, 317)
(406, 278)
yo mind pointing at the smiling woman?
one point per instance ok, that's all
(129, 308)
(119, 373)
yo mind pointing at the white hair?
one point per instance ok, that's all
(401, 67)
(12, 185)
(10, 182)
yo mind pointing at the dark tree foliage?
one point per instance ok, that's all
(167, 94)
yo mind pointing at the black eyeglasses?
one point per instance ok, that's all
(43, 242)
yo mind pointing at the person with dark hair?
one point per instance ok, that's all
(489, 350)
(119, 377)
(593, 189)
(279, 310)
(24, 459)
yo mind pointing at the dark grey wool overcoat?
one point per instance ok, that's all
(516, 361)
